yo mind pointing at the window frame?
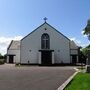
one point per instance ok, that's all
(45, 41)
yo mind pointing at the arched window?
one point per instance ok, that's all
(45, 41)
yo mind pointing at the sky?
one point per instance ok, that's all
(20, 17)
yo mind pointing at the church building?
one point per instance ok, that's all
(46, 46)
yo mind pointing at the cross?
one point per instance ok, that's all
(45, 19)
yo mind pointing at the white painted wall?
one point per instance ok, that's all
(32, 42)
(16, 57)
(74, 52)
(74, 48)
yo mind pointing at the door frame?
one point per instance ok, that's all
(8, 58)
(46, 57)
(46, 50)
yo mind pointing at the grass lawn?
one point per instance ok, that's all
(80, 82)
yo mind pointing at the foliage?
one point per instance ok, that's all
(87, 29)
(1, 56)
(83, 54)
(82, 57)
(2, 59)
(85, 50)
(86, 32)
(80, 82)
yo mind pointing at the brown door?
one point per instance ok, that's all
(46, 58)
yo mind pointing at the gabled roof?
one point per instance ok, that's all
(48, 25)
(15, 45)
(73, 45)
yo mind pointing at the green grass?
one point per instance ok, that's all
(80, 82)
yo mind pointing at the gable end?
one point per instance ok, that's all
(48, 25)
(58, 31)
(10, 45)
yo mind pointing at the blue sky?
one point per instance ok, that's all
(20, 17)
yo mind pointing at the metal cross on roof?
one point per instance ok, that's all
(45, 19)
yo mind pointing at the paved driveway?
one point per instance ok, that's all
(33, 78)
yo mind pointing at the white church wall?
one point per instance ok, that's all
(16, 57)
(74, 52)
(32, 43)
(60, 45)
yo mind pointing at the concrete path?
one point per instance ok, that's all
(33, 78)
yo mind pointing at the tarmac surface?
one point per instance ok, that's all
(33, 77)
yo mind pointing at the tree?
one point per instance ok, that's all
(87, 29)
(82, 57)
(84, 53)
(5, 58)
(1, 56)
(85, 50)
(2, 60)
(87, 32)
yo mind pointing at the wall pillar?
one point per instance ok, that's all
(70, 59)
(53, 58)
(39, 57)
(77, 58)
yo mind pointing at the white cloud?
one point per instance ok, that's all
(78, 42)
(5, 41)
(17, 38)
(73, 39)
(84, 45)
(83, 34)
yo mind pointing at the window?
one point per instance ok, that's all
(45, 41)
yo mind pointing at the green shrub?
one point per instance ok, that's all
(2, 61)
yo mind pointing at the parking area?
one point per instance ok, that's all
(33, 77)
